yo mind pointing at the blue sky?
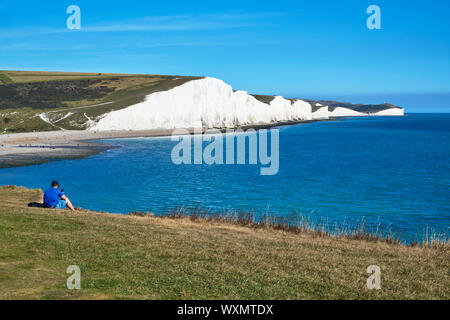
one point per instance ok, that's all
(299, 48)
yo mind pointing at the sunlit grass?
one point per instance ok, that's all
(199, 257)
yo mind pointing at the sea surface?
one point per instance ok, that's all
(388, 171)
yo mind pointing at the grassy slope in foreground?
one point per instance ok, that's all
(124, 256)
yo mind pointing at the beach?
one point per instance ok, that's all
(21, 149)
(29, 148)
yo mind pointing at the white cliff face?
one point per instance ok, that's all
(198, 103)
(389, 112)
(302, 110)
(286, 110)
(209, 103)
(321, 113)
(345, 112)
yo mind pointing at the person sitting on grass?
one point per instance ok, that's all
(55, 198)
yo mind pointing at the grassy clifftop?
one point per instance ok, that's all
(161, 258)
(357, 107)
(45, 101)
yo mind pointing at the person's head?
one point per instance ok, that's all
(55, 184)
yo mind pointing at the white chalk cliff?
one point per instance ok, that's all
(211, 103)
(389, 112)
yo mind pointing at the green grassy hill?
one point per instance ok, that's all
(132, 257)
(70, 100)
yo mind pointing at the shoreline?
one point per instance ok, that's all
(33, 148)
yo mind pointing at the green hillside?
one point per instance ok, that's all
(70, 100)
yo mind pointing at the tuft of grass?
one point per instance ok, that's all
(434, 238)
(298, 223)
(4, 79)
(196, 257)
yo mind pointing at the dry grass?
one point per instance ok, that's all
(128, 256)
(32, 76)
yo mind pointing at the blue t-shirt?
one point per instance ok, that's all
(51, 197)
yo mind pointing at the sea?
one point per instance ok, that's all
(388, 172)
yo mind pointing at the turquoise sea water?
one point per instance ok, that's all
(390, 170)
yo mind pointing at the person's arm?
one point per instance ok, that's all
(68, 203)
